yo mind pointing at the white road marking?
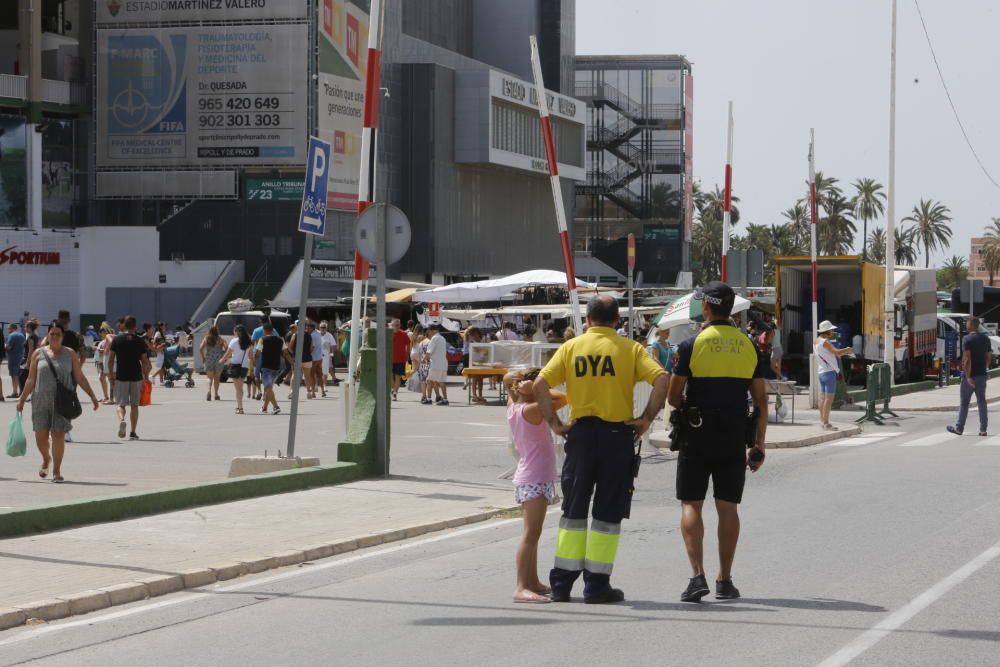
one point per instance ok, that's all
(988, 442)
(858, 440)
(930, 440)
(298, 572)
(494, 425)
(898, 618)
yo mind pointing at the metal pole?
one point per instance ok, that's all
(888, 335)
(299, 347)
(381, 345)
(813, 218)
(557, 198)
(727, 201)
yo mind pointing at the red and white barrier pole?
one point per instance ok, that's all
(557, 198)
(727, 199)
(366, 183)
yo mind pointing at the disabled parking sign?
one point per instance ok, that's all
(312, 219)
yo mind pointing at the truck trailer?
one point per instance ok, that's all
(851, 294)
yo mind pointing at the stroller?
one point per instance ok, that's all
(173, 371)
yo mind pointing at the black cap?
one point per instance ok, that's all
(717, 294)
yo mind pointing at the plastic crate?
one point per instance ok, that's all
(542, 352)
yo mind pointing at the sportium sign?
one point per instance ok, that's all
(12, 255)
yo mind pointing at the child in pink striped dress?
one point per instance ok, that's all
(535, 477)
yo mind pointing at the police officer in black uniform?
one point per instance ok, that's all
(717, 437)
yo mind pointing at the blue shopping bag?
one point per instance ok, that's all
(16, 443)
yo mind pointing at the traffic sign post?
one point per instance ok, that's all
(382, 236)
(971, 292)
(312, 220)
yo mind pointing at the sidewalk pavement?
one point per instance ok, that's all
(941, 399)
(77, 571)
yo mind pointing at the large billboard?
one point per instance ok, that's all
(118, 12)
(202, 96)
(343, 62)
(13, 172)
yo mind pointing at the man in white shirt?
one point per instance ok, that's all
(437, 354)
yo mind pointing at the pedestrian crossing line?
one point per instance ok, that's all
(930, 440)
(858, 440)
(988, 442)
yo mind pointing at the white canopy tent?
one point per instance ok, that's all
(555, 311)
(496, 289)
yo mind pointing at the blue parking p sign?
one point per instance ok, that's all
(312, 219)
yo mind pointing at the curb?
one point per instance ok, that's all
(110, 596)
(941, 408)
(818, 439)
(44, 518)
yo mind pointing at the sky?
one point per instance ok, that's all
(792, 65)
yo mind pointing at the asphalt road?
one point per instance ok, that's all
(864, 552)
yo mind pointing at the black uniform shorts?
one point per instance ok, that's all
(718, 451)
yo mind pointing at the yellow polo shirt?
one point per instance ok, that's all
(600, 369)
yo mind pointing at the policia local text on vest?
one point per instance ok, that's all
(600, 370)
(716, 437)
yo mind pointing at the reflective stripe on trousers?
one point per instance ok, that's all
(593, 551)
(571, 544)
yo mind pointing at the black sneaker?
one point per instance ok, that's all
(438, 399)
(696, 590)
(953, 429)
(724, 590)
(559, 596)
(426, 401)
(443, 401)
(133, 436)
(983, 434)
(608, 595)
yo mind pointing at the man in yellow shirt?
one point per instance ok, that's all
(600, 370)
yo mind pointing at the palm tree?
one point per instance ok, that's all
(869, 204)
(993, 229)
(930, 221)
(991, 260)
(835, 235)
(797, 218)
(905, 246)
(706, 247)
(712, 204)
(876, 246)
(955, 269)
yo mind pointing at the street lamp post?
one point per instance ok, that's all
(888, 334)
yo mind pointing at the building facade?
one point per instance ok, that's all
(977, 269)
(639, 163)
(194, 123)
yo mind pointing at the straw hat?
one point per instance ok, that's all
(824, 326)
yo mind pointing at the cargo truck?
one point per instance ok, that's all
(851, 294)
